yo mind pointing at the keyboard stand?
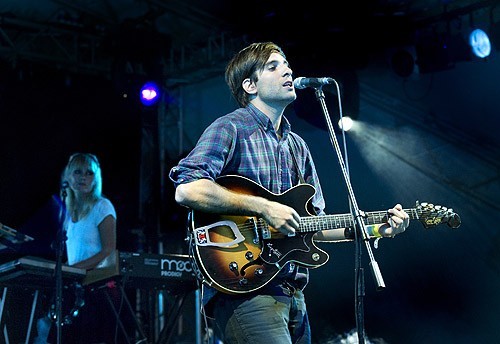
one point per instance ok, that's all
(3, 322)
(123, 297)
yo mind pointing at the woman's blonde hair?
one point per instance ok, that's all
(83, 161)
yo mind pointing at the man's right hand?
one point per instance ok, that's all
(281, 218)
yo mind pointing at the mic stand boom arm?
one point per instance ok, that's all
(361, 234)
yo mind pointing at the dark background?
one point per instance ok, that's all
(431, 134)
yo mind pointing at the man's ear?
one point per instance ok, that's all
(249, 86)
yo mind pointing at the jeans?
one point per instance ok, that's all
(262, 319)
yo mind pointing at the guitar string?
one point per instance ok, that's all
(345, 220)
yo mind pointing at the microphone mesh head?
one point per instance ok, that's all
(297, 83)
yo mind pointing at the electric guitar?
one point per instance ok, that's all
(240, 254)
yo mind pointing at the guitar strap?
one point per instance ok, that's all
(293, 148)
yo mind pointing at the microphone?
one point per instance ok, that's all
(64, 185)
(302, 82)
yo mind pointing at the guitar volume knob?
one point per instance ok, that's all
(259, 271)
(233, 266)
(249, 255)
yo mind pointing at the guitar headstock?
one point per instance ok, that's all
(432, 215)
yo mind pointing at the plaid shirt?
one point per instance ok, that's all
(245, 143)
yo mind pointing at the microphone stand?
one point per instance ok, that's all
(60, 239)
(361, 234)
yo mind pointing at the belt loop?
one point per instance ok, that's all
(288, 289)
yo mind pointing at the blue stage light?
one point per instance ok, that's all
(480, 43)
(150, 93)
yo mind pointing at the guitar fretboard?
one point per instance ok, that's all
(318, 223)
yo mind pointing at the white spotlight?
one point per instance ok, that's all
(346, 123)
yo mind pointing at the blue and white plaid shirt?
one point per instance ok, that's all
(245, 143)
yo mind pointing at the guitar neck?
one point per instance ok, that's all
(318, 223)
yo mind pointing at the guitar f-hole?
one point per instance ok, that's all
(259, 271)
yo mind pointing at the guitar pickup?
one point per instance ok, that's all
(251, 222)
(202, 235)
(266, 232)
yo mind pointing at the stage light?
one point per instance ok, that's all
(480, 43)
(150, 93)
(403, 63)
(346, 123)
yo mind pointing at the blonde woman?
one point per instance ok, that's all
(90, 221)
(90, 226)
